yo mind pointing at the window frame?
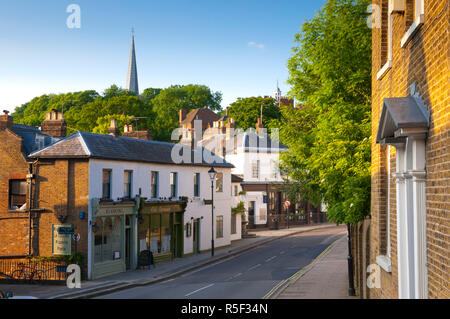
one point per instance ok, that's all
(196, 184)
(109, 171)
(154, 187)
(418, 21)
(130, 183)
(219, 185)
(11, 194)
(219, 226)
(173, 186)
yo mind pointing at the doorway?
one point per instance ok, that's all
(127, 243)
(196, 236)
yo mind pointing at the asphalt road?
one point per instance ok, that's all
(250, 275)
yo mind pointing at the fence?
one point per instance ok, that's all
(26, 270)
(283, 221)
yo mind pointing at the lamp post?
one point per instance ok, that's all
(212, 175)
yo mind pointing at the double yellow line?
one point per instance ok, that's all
(298, 274)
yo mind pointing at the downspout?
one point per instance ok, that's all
(30, 177)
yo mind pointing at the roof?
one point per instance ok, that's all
(89, 145)
(203, 114)
(28, 135)
(236, 178)
(253, 140)
(401, 113)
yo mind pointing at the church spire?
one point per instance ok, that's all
(132, 78)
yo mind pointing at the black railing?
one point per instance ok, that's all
(277, 221)
(28, 270)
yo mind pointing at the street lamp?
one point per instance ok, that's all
(212, 175)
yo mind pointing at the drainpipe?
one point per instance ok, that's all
(351, 289)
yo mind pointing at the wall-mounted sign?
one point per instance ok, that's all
(61, 242)
(66, 230)
(208, 201)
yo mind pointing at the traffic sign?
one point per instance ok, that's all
(287, 203)
(76, 237)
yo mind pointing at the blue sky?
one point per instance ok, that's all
(238, 47)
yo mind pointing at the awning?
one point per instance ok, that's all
(401, 113)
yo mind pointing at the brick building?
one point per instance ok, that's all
(19, 216)
(406, 237)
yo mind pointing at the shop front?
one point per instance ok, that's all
(113, 237)
(161, 229)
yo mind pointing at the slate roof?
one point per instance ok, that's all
(29, 135)
(89, 145)
(252, 140)
(401, 112)
(236, 178)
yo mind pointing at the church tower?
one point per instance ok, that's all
(132, 78)
(277, 95)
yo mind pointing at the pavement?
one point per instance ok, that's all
(164, 271)
(325, 278)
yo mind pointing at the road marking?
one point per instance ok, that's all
(191, 293)
(267, 260)
(282, 252)
(237, 275)
(255, 266)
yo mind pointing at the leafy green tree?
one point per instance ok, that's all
(157, 109)
(167, 104)
(246, 112)
(329, 136)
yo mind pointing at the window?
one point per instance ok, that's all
(219, 226)
(386, 40)
(155, 184)
(107, 238)
(219, 182)
(17, 194)
(236, 193)
(39, 143)
(127, 182)
(173, 184)
(106, 193)
(415, 17)
(196, 184)
(274, 169)
(255, 169)
(233, 223)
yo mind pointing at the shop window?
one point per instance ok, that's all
(158, 234)
(155, 184)
(196, 184)
(219, 227)
(127, 184)
(173, 185)
(107, 238)
(17, 194)
(219, 182)
(233, 224)
(106, 190)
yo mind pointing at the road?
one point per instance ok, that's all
(250, 275)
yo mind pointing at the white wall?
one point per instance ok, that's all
(195, 208)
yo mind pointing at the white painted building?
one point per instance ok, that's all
(122, 184)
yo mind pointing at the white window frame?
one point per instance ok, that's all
(419, 20)
(388, 65)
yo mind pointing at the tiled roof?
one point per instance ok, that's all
(28, 135)
(89, 145)
(203, 114)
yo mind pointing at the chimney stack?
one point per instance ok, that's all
(259, 127)
(128, 131)
(182, 115)
(6, 121)
(113, 129)
(54, 124)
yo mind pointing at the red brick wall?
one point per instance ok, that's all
(13, 225)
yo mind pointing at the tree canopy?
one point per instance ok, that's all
(329, 135)
(89, 111)
(246, 112)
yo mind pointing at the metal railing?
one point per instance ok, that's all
(284, 220)
(28, 270)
